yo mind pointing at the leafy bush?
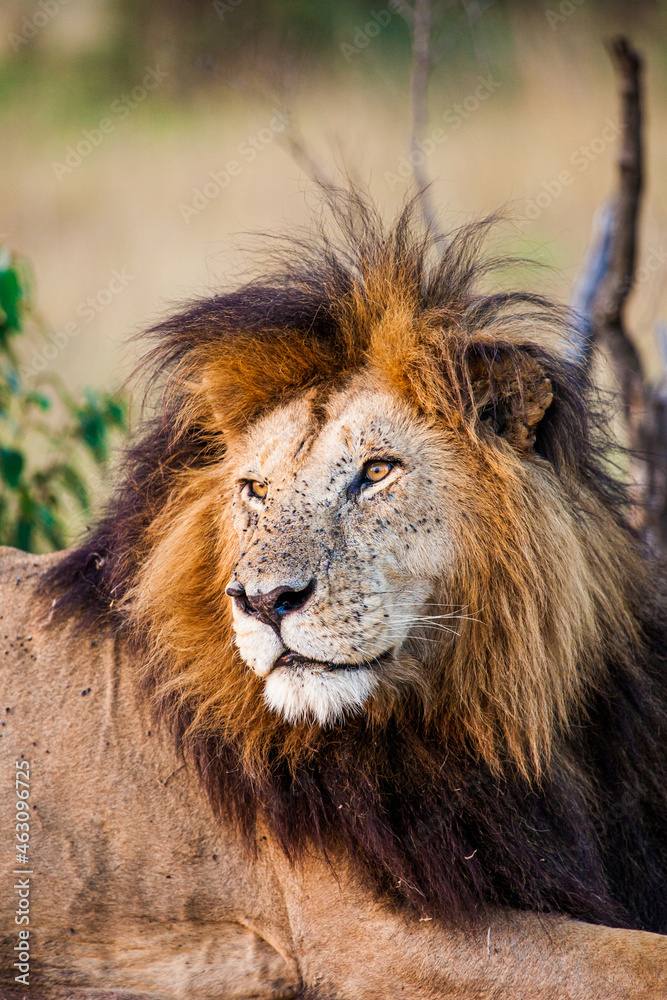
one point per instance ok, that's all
(52, 444)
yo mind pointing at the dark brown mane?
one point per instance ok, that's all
(440, 814)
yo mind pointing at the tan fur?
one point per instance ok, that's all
(139, 893)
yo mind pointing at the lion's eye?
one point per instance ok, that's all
(257, 489)
(375, 471)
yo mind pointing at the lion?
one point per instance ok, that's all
(357, 688)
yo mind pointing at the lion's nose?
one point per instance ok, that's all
(272, 607)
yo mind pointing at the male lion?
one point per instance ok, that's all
(368, 567)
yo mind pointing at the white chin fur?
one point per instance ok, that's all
(301, 694)
(259, 645)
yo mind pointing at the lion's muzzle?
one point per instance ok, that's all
(272, 607)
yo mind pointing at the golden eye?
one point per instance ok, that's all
(375, 471)
(258, 489)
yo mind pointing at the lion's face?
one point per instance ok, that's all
(345, 524)
(422, 466)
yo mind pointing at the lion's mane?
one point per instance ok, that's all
(538, 779)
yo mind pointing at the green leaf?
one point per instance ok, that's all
(116, 412)
(38, 399)
(11, 466)
(55, 536)
(24, 530)
(75, 485)
(45, 518)
(93, 432)
(11, 297)
(46, 484)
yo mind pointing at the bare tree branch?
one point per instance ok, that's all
(421, 66)
(293, 141)
(607, 308)
(593, 273)
(601, 298)
(620, 275)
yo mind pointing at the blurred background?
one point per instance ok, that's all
(141, 139)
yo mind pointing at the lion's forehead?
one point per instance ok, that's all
(294, 442)
(310, 524)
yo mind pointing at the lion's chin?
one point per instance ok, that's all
(303, 690)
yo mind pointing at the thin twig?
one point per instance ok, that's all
(421, 66)
(620, 276)
(297, 148)
(607, 308)
(593, 272)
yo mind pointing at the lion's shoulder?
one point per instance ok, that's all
(20, 575)
(29, 649)
(27, 562)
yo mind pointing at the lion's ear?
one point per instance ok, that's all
(510, 395)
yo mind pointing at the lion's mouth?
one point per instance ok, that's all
(292, 660)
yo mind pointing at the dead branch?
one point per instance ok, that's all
(292, 140)
(593, 272)
(421, 66)
(601, 298)
(620, 276)
(607, 307)
(610, 264)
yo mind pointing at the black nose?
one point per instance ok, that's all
(271, 608)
